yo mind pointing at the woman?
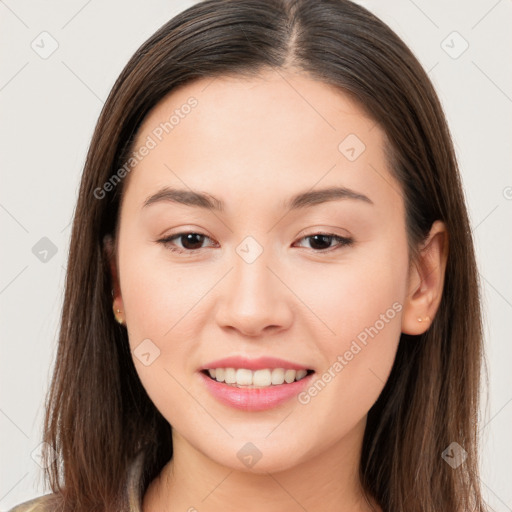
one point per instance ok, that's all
(318, 347)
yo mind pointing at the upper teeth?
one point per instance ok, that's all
(260, 378)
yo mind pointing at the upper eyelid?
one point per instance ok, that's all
(348, 239)
(319, 232)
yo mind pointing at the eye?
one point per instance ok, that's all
(191, 242)
(324, 241)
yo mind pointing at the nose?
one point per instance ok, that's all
(254, 298)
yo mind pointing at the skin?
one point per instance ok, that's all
(253, 143)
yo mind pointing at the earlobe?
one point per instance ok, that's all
(110, 256)
(426, 282)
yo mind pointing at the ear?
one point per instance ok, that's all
(109, 250)
(426, 282)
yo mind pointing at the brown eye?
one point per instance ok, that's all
(190, 241)
(321, 242)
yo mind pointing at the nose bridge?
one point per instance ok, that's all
(253, 297)
(252, 278)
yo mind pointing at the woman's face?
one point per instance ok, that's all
(254, 281)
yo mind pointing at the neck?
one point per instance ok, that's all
(192, 482)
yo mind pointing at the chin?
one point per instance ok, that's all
(257, 457)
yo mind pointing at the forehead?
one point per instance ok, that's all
(278, 131)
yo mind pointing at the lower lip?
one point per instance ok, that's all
(254, 399)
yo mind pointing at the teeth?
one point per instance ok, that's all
(301, 374)
(259, 378)
(289, 376)
(277, 376)
(230, 376)
(243, 377)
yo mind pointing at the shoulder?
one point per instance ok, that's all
(131, 501)
(45, 503)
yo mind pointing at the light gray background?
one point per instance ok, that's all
(49, 107)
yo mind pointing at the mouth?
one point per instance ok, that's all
(256, 379)
(257, 389)
(252, 384)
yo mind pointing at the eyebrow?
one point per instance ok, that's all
(207, 201)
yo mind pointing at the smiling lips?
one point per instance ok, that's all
(261, 372)
(259, 378)
(254, 384)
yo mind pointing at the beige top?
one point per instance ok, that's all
(133, 495)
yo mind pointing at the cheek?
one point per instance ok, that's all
(367, 289)
(360, 330)
(158, 304)
(156, 295)
(156, 310)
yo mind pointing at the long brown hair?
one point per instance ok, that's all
(98, 414)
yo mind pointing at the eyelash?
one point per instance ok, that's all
(342, 242)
